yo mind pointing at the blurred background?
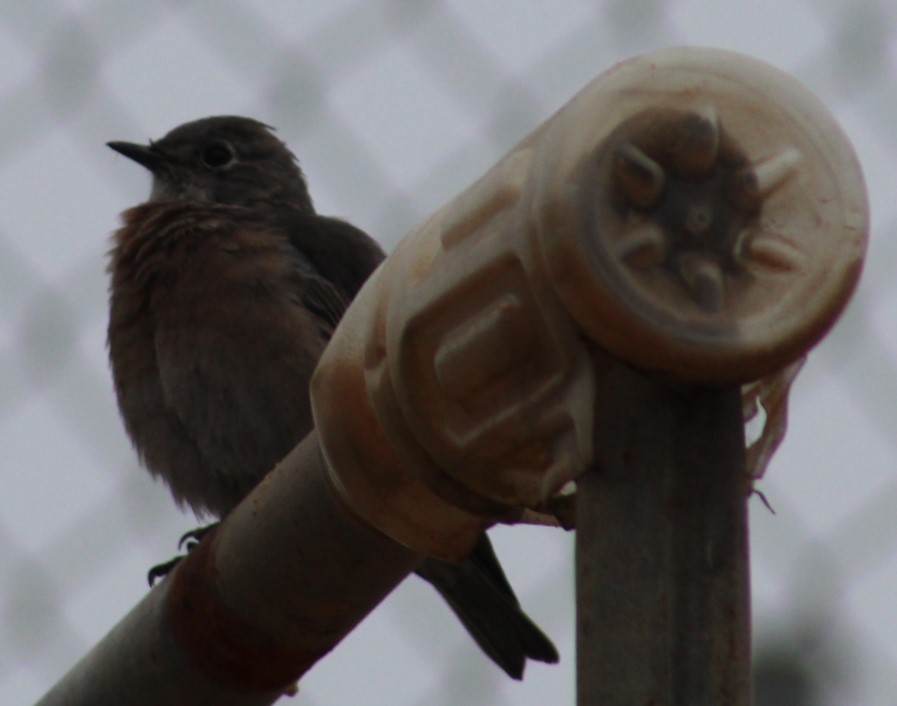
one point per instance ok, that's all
(393, 107)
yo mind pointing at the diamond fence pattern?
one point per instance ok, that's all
(393, 106)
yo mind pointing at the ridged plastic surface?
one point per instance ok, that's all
(696, 213)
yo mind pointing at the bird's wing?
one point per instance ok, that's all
(333, 259)
(340, 253)
(319, 296)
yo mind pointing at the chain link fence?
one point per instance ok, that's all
(394, 106)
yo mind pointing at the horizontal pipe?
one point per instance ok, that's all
(259, 600)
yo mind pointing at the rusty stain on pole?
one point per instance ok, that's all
(284, 578)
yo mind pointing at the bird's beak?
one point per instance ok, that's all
(146, 156)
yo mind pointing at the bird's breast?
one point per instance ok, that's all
(211, 355)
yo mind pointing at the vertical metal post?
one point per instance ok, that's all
(662, 581)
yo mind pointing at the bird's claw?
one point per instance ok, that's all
(190, 539)
(162, 570)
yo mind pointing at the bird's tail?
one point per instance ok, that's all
(478, 591)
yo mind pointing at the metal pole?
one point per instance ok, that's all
(289, 573)
(662, 552)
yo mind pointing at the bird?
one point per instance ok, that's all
(225, 286)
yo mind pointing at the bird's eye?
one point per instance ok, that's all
(217, 154)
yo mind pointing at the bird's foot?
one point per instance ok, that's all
(188, 541)
(162, 570)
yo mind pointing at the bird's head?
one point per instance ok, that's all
(225, 159)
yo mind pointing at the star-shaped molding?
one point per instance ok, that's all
(693, 210)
